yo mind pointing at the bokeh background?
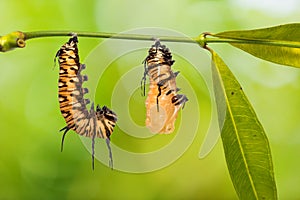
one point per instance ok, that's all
(31, 164)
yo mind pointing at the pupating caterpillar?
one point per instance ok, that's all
(73, 105)
(163, 102)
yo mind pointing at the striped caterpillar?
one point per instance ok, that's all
(73, 105)
(163, 102)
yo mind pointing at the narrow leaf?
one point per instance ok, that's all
(279, 44)
(246, 146)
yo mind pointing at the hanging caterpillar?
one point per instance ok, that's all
(163, 102)
(73, 105)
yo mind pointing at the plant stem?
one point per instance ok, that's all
(202, 39)
(38, 34)
(17, 39)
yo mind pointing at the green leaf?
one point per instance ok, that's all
(279, 44)
(246, 146)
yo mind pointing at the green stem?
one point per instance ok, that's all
(202, 39)
(39, 34)
(17, 39)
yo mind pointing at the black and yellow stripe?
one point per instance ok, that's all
(73, 105)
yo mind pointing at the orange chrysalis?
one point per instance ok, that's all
(163, 102)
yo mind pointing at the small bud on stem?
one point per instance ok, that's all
(11, 41)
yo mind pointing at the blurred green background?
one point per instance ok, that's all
(31, 164)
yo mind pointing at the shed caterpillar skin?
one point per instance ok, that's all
(73, 106)
(163, 102)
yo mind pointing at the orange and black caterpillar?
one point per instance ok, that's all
(73, 105)
(163, 102)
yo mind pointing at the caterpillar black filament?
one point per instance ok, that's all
(163, 102)
(73, 105)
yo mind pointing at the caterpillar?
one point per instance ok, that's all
(163, 102)
(73, 106)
